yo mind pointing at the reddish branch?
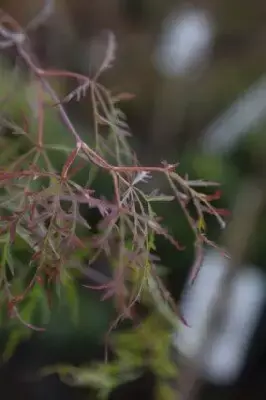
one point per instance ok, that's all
(144, 223)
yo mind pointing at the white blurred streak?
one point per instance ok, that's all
(185, 42)
(42, 17)
(225, 355)
(197, 304)
(247, 112)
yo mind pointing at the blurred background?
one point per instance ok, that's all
(198, 73)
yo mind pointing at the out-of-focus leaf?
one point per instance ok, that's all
(16, 336)
(160, 198)
(40, 298)
(164, 392)
(72, 297)
(52, 190)
(102, 377)
(93, 377)
(10, 261)
(163, 367)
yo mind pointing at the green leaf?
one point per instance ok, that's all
(15, 338)
(52, 190)
(10, 261)
(163, 367)
(165, 392)
(27, 310)
(102, 377)
(95, 377)
(42, 307)
(72, 299)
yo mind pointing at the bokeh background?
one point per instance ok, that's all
(198, 73)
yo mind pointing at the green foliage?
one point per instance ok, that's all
(147, 346)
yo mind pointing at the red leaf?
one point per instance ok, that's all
(13, 230)
(215, 196)
(71, 158)
(76, 242)
(3, 230)
(10, 308)
(223, 212)
(220, 211)
(36, 255)
(124, 96)
(99, 287)
(39, 280)
(32, 210)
